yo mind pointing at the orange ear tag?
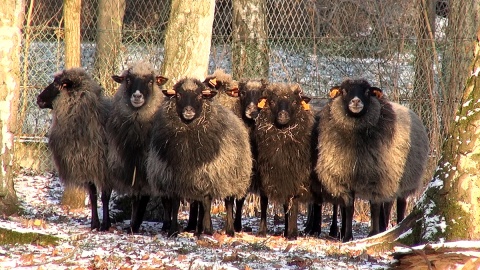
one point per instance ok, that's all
(261, 103)
(171, 92)
(212, 82)
(334, 93)
(305, 106)
(378, 94)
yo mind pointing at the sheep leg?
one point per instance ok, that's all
(309, 222)
(92, 194)
(106, 223)
(375, 209)
(401, 208)
(139, 206)
(262, 230)
(334, 225)
(237, 224)
(385, 210)
(207, 219)
(193, 216)
(201, 214)
(347, 215)
(290, 209)
(229, 216)
(175, 205)
(314, 219)
(167, 213)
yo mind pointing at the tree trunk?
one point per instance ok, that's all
(449, 210)
(11, 37)
(71, 16)
(72, 197)
(188, 40)
(250, 48)
(109, 41)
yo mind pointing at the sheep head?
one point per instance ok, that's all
(222, 82)
(66, 80)
(250, 92)
(139, 86)
(284, 101)
(190, 95)
(356, 96)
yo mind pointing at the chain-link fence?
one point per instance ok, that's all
(408, 48)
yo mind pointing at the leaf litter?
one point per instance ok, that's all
(80, 248)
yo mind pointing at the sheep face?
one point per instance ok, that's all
(189, 96)
(139, 87)
(46, 97)
(284, 101)
(356, 95)
(250, 93)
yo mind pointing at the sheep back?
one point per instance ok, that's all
(129, 133)
(77, 137)
(284, 154)
(208, 156)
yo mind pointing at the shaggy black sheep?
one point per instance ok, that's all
(77, 137)
(370, 148)
(134, 105)
(199, 150)
(282, 135)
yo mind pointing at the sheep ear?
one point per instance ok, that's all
(261, 103)
(335, 92)
(208, 94)
(375, 91)
(66, 83)
(118, 79)
(169, 92)
(161, 80)
(233, 92)
(305, 101)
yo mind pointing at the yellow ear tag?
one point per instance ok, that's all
(261, 103)
(305, 106)
(212, 82)
(334, 93)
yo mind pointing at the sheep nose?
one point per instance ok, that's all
(251, 112)
(137, 95)
(188, 113)
(283, 117)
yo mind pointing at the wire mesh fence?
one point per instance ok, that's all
(404, 47)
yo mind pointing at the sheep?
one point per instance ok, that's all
(77, 137)
(134, 104)
(282, 136)
(227, 96)
(200, 151)
(370, 148)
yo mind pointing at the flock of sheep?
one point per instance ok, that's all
(222, 139)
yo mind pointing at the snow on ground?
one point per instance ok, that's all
(80, 248)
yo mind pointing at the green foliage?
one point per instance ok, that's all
(8, 237)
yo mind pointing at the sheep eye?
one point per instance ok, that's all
(242, 93)
(178, 96)
(150, 82)
(127, 80)
(272, 103)
(294, 102)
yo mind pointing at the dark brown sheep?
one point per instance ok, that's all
(77, 137)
